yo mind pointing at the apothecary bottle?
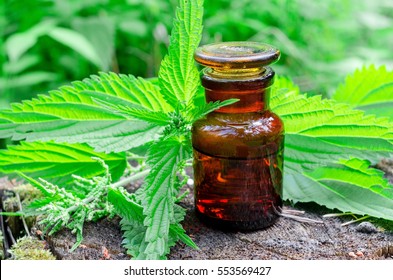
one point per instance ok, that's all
(238, 149)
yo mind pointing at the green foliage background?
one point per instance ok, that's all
(48, 43)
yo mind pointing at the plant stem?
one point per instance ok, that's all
(132, 157)
(301, 219)
(132, 178)
(87, 200)
(22, 218)
(121, 183)
(338, 215)
(355, 221)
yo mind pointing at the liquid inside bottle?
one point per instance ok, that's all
(238, 149)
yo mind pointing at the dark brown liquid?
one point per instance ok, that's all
(239, 193)
(238, 156)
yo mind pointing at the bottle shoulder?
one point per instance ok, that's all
(257, 123)
(229, 133)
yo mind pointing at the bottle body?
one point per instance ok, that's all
(241, 189)
(238, 149)
(238, 165)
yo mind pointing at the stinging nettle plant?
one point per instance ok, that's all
(76, 141)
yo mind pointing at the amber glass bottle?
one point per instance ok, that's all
(238, 149)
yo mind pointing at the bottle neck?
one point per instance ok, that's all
(249, 100)
(252, 91)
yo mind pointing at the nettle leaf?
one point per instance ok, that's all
(195, 113)
(369, 89)
(134, 229)
(158, 118)
(178, 76)
(18, 44)
(56, 162)
(72, 114)
(282, 87)
(350, 186)
(321, 130)
(77, 42)
(132, 221)
(324, 144)
(176, 231)
(157, 196)
(126, 205)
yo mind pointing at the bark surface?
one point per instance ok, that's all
(288, 239)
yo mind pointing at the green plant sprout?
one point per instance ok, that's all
(77, 139)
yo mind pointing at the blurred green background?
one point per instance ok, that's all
(48, 43)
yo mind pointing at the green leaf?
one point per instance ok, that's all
(125, 206)
(134, 239)
(77, 227)
(158, 118)
(27, 80)
(77, 42)
(198, 112)
(25, 62)
(369, 89)
(71, 114)
(282, 87)
(320, 130)
(133, 227)
(350, 186)
(158, 191)
(132, 222)
(46, 193)
(134, 27)
(17, 44)
(31, 209)
(178, 75)
(100, 32)
(177, 232)
(326, 145)
(57, 162)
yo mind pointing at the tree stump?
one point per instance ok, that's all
(288, 239)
